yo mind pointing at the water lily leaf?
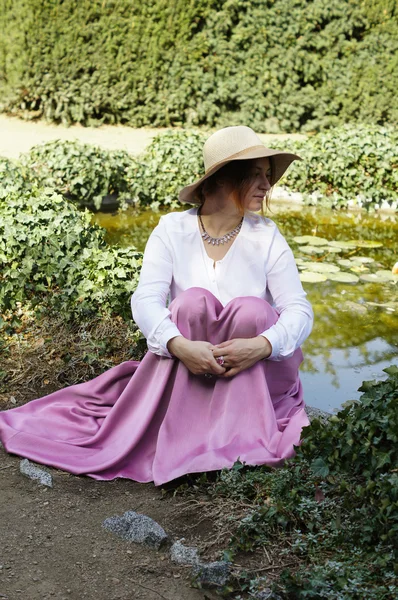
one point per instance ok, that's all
(363, 259)
(366, 243)
(343, 245)
(343, 277)
(334, 249)
(301, 261)
(359, 268)
(312, 277)
(345, 262)
(313, 249)
(319, 267)
(310, 239)
(374, 278)
(387, 274)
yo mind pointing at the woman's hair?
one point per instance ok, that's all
(238, 173)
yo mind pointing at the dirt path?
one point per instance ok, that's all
(53, 545)
(18, 136)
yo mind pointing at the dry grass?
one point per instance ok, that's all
(41, 356)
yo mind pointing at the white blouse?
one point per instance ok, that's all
(259, 263)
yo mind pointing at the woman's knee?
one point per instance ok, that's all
(251, 316)
(192, 305)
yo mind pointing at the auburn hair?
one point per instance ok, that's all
(238, 173)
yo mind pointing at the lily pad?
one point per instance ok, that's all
(345, 262)
(301, 261)
(310, 239)
(366, 243)
(387, 274)
(374, 278)
(319, 267)
(312, 277)
(313, 249)
(343, 245)
(343, 277)
(363, 259)
(334, 249)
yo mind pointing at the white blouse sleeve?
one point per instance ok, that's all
(148, 303)
(296, 316)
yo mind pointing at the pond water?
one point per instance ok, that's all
(346, 269)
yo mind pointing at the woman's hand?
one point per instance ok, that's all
(242, 353)
(196, 356)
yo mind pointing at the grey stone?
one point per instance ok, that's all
(137, 528)
(317, 413)
(183, 555)
(33, 472)
(214, 573)
(266, 594)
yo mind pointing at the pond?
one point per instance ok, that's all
(345, 262)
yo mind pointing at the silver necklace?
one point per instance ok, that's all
(220, 240)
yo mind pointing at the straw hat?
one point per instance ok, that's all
(236, 143)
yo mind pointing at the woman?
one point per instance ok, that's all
(220, 381)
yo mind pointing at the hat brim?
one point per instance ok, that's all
(282, 162)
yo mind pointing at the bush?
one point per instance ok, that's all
(347, 166)
(172, 160)
(81, 172)
(275, 65)
(52, 257)
(333, 507)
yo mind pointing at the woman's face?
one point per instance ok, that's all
(259, 184)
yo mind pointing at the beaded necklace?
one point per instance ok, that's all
(220, 240)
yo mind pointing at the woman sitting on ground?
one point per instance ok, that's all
(224, 313)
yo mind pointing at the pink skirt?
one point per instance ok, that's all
(155, 421)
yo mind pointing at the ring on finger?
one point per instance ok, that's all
(221, 360)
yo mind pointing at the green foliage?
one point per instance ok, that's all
(172, 160)
(51, 256)
(346, 166)
(275, 65)
(334, 506)
(12, 177)
(81, 172)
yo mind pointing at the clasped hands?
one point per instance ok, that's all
(239, 354)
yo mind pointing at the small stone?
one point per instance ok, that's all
(33, 472)
(316, 413)
(214, 573)
(183, 555)
(137, 528)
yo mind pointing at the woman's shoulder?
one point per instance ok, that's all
(259, 224)
(179, 221)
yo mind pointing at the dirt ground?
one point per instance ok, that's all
(18, 136)
(53, 545)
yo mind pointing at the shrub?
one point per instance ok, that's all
(81, 172)
(333, 507)
(172, 160)
(271, 64)
(51, 256)
(347, 166)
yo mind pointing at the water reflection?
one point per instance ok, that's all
(355, 333)
(327, 385)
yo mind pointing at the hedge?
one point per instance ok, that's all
(276, 65)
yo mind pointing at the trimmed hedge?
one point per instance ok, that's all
(275, 65)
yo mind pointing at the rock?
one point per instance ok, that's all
(183, 555)
(137, 528)
(214, 573)
(33, 472)
(316, 413)
(266, 594)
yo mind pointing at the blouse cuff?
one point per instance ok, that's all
(273, 338)
(167, 334)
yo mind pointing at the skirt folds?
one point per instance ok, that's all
(155, 421)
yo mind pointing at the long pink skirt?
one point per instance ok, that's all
(155, 421)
